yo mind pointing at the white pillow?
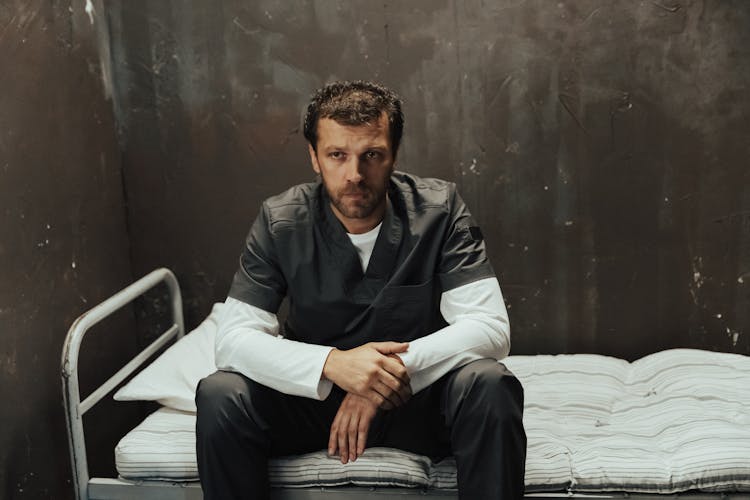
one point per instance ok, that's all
(172, 378)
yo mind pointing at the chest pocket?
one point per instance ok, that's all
(409, 311)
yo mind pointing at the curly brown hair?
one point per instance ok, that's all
(354, 103)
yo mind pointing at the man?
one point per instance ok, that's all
(396, 320)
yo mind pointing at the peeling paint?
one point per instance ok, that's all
(8, 363)
(90, 11)
(698, 279)
(473, 167)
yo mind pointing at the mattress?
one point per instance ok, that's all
(672, 421)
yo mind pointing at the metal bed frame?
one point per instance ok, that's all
(88, 488)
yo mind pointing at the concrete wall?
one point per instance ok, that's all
(601, 144)
(63, 242)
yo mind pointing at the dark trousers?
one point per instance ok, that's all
(473, 413)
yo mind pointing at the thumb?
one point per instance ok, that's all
(390, 347)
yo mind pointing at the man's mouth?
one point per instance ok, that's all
(355, 194)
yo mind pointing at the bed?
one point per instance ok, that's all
(672, 424)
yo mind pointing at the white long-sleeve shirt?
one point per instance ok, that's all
(248, 339)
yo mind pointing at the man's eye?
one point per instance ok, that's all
(336, 155)
(372, 155)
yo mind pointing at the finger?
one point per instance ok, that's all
(396, 369)
(388, 393)
(362, 431)
(393, 383)
(405, 393)
(401, 395)
(333, 435)
(390, 347)
(378, 398)
(386, 405)
(342, 434)
(352, 441)
(401, 391)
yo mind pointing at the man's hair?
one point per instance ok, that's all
(354, 103)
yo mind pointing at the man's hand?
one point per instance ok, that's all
(372, 371)
(350, 427)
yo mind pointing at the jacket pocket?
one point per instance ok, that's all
(409, 310)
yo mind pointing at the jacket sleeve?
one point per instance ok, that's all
(478, 328)
(463, 257)
(259, 281)
(471, 303)
(247, 339)
(247, 342)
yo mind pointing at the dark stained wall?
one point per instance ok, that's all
(603, 146)
(63, 242)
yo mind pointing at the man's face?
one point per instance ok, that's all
(355, 163)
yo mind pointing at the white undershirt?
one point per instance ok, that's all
(364, 244)
(248, 339)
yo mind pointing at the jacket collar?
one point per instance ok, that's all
(384, 254)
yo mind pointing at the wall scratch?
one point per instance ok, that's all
(560, 97)
(236, 22)
(734, 215)
(5, 29)
(665, 7)
(499, 90)
(593, 13)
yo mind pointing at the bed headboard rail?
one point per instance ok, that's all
(74, 407)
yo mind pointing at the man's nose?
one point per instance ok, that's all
(354, 170)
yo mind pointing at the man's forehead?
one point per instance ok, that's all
(331, 130)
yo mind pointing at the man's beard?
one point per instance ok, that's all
(362, 206)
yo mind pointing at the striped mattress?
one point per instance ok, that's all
(670, 422)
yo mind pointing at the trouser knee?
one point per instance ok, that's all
(227, 400)
(232, 439)
(489, 390)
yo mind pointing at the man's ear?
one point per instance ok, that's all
(313, 158)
